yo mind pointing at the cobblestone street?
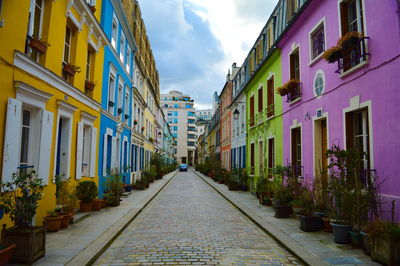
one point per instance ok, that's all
(190, 223)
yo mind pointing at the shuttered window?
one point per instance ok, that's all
(260, 99)
(295, 65)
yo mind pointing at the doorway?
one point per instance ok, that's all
(63, 143)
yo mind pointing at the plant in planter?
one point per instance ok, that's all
(142, 129)
(263, 189)
(66, 199)
(113, 190)
(53, 221)
(233, 181)
(350, 39)
(71, 69)
(309, 222)
(135, 122)
(19, 199)
(243, 180)
(89, 85)
(6, 253)
(38, 45)
(86, 192)
(282, 90)
(332, 54)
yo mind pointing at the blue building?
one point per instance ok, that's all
(117, 95)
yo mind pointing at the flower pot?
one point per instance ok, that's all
(30, 244)
(310, 223)
(327, 224)
(93, 9)
(128, 188)
(385, 249)
(283, 211)
(85, 207)
(89, 85)
(341, 233)
(356, 239)
(297, 210)
(69, 69)
(366, 243)
(5, 254)
(53, 223)
(96, 205)
(38, 45)
(66, 218)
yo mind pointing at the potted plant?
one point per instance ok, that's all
(263, 189)
(92, 8)
(53, 221)
(135, 122)
(350, 39)
(332, 54)
(111, 103)
(89, 85)
(126, 116)
(19, 198)
(38, 45)
(309, 222)
(142, 129)
(70, 69)
(243, 180)
(113, 190)
(282, 90)
(6, 253)
(86, 192)
(66, 199)
(96, 205)
(282, 198)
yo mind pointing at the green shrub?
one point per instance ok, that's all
(113, 189)
(86, 191)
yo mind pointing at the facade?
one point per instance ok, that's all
(117, 95)
(339, 104)
(51, 92)
(182, 120)
(226, 123)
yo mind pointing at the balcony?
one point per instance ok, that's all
(260, 117)
(270, 110)
(294, 92)
(353, 54)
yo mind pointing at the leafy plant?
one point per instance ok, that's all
(19, 198)
(65, 195)
(86, 191)
(113, 189)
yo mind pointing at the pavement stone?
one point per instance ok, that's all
(319, 244)
(189, 223)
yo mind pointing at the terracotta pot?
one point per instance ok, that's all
(53, 223)
(66, 218)
(89, 85)
(38, 45)
(85, 207)
(5, 254)
(96, 205)
(69, 69)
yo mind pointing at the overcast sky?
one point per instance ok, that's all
(195, 42)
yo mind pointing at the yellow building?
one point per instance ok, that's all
(51, 60)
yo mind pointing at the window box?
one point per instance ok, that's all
(92, 8)
(111, 103)
(292, 89)
(126, 117)
(350, 39)
(333, 54)
(352, 55)
(142, 129)
(70, 69)
(38, 45)
(89, 85)
(119, 110)
(135, 122)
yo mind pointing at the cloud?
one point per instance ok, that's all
(195, 42)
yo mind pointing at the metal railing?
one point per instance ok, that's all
(352, 55)
(270, 110)
(294, 93)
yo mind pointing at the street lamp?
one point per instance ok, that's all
(236, 114)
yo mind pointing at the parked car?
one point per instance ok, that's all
(183, 167)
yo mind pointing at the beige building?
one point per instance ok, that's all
(181, 117)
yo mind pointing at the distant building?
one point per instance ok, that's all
(181, 118)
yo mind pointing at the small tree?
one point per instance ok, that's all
(20, 197)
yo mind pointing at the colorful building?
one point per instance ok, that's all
(352, 103)
(226, 123)
(51, 80)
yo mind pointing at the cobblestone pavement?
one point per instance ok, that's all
(190, 223)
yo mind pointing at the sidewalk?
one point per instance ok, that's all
(314, 248)
(81, 243)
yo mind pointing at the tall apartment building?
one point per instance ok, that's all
(181, 118)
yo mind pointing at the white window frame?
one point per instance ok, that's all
(122, 47)
(32, 18)
(111, 90)
(128, 60)
(322, 21)
(86, 121)
(120, 95)
(114, 34)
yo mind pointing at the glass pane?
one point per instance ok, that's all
(358, 124)
(24, 145)
(26, 118)
(352, 16)
(36, 22)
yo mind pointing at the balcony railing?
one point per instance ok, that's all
(260, 117)
(294, 93)
(352, 55)
(270, 110)
(251, 121)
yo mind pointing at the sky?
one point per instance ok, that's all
(195, 42)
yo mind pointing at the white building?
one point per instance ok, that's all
(181, 118)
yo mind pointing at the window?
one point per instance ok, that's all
(295, 65)
(191, 143)
(188, 106)
(252, 111)
(260, 99)
(351, 15)
(296, 151)
(120, 95)
(91, 2)
(67, 44)
(270, 97)
(252, 158)
(292, 6)
(169, 114)
(26, 132)
(86, 149)
(176, 105)
(114, 33)
(317, 41)
(122, 48)
(35, 25)
(357, 134)
(128, 60)
(271, 157)
(89, 63)
(126, 104)
(111, 93)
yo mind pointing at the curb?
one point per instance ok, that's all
(95, 249)
(284, 240)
